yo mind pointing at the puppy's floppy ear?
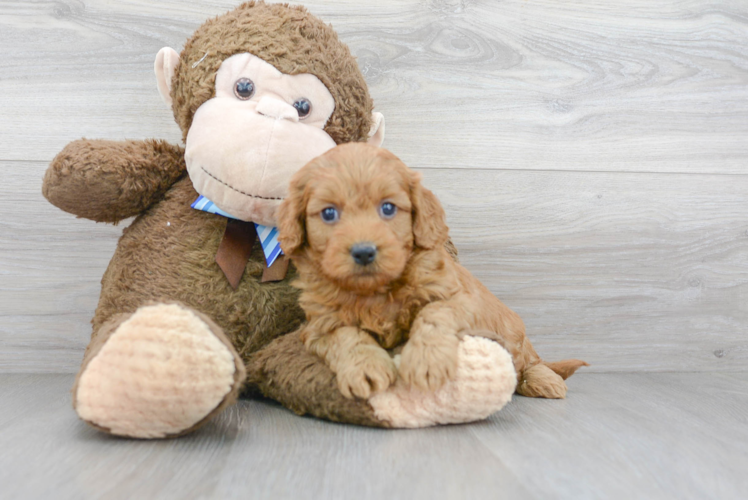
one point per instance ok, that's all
(292, 214)
(429, 221)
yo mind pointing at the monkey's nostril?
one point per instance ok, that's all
(364, 253)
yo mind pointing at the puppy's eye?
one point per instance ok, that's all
(244, 88)
(329, 215)
(387, 210)
(303, 107)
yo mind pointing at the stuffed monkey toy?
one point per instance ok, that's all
(196, 305)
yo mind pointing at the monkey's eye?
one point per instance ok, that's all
(244, 88)
(330, 215)
(303, 107)
(387, 210)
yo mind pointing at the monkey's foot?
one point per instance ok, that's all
(160, 372)
(484, 382)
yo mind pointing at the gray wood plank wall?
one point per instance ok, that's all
(591, 156)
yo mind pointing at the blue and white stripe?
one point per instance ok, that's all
(268, 235)
(204, 204)
(269, 239)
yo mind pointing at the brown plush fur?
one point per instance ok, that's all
(168, 252)
(108, 181)
(413, 291)
(290, 39)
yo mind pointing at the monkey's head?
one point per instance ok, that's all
(258, 92)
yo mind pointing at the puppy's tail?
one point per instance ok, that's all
(546, 380)
(567, 367)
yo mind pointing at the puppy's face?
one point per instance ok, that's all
(354, 212)
(358, 220)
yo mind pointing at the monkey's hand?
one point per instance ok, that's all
(108, 181)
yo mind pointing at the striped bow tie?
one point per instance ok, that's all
(268, 235)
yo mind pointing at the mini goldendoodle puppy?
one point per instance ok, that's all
(369, 244)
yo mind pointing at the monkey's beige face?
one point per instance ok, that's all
(359, 223)
(259, 129)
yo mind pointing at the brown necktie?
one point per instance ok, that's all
(235, 249)
(277, 271)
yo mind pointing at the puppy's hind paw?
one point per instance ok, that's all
(369, 371)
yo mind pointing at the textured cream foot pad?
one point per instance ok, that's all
(161, 372)
(484, 383)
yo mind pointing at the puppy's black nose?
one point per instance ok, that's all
(364, 253)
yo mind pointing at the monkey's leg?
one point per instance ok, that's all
(161, 371)
(483, 383)
(289, 373)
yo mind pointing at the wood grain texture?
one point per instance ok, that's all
(50, 270)
(627, 271)
(632, 85)
(617, 436)
(590, 156)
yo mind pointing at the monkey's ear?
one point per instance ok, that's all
(291, 215)
(429, 220)
(376, 133)
(166, 62)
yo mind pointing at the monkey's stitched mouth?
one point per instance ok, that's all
(239, 190)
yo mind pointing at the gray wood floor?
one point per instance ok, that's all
(622, 436)
(592, 159)
(591, 156)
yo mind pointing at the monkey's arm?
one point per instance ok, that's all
(108, 181)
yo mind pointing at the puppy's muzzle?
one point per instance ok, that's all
(364, 253)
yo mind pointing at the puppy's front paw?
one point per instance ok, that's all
(429, 365)
(369, 370)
